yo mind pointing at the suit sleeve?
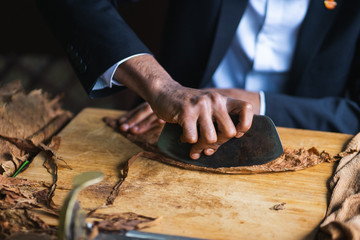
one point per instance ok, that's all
(337, 113)
(324, 114)
(94, 36)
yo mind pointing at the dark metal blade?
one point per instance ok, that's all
(260, 145)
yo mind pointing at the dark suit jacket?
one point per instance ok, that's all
(324, 81)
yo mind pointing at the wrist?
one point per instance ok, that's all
(160, 85)
(145, 76)
(257, 103)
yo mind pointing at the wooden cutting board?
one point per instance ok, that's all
(191, 203)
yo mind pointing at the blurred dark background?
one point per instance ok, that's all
(29, 52)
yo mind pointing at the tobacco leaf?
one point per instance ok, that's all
(21, 193)
(15, 223)
(26, 121)
(123, 172)
(122, 222)
(290, 160)
(18, 196)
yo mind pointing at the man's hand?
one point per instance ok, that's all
(140, 120)
(195, 110)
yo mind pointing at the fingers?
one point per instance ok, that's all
(198, 114)
(134, 116)
(225, 127)
(225, 131)
(208, 137)
(196, 110)
(147, 124)
(139, 120)
(245, 112)
(189, 134)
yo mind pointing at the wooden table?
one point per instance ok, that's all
(192, 203)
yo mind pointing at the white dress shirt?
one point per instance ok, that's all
(260, 55)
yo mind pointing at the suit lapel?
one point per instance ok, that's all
(311, 35)
(229, 18)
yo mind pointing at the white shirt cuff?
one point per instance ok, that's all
(107, 78)
(262, 103)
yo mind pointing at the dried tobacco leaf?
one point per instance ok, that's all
(21, 193)
(26, 121)
(123, 172)
(13, 222)
(122, 221)
(17, 196)
(291, 160)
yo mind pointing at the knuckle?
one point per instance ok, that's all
(211, 137)
(148, 107)
(248, 107)
(230, 133)
(211, 140)
(216, 97)
(202, 102)
(190, 139)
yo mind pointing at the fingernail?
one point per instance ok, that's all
(209, 151)
(195, 156)
(239, 134)
(124, 127)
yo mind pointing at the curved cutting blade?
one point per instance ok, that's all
(260, 145)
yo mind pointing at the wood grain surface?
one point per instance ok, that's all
(191, 203)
